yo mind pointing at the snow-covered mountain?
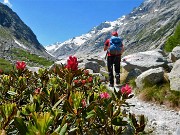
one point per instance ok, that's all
(146, 27)
(70, 46)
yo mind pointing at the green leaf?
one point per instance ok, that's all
(11, 93)
(91, 106)
(110, 110)
(100, 113)
(57, 103)
(42, 121)
(90, 114)
(74, 129)
(20, 125)
(63, 130)
(91, 97)
(116, 113)
(54, 133)
(119, 122)
(68, 107)
(52, 97)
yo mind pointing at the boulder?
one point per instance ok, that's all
(150, 77)
(99, 60)
(174, 76)
(33, 69)
(177, 131)
(133, 74)
(92, 65)
(175, 54)
(144, 60)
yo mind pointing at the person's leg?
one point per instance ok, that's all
(110, 70)
(117, 68)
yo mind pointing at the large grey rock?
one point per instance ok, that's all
(177, 131)
(92, 65)
(174, 76)
(97, 59)
(133, 74)
(175, 54)
(150, 77)
(33, 69)
(144, 60)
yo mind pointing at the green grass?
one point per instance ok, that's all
(30, 59)
(160, 94)
(173, 40)
(5, 65)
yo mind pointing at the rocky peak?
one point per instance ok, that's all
(145, 28)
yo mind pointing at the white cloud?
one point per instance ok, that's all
(7, 3)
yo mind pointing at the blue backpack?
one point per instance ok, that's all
(115, 45)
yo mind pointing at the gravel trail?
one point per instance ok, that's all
(162, 120)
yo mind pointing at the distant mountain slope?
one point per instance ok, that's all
(14, 33)
(146, 27)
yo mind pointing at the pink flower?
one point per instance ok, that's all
(76, 81)
(105, 95)
(83, 103)
(72, 63)
(126, 89)
(90, 79)
(37, 90)
(20, 65)
(86, 72)
(83, 81)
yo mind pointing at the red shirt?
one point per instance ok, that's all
(107, 43)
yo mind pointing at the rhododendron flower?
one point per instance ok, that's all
(83, 103)
(83, 81)
(76, 81)
(86, 72)
(126, 89)
(37, 90)
(20, 65)
(72, 63)
(105, 95)
(90, 79)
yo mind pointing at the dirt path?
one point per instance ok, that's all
(161, 120)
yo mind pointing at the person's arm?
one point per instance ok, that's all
(106, 45)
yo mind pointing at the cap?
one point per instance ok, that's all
(114, 33)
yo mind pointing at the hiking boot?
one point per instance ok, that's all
(111, 85)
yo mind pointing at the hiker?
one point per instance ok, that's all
(114, 48)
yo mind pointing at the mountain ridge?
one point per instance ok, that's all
(14, 33)
(145, 28)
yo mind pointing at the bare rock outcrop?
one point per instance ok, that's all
(144, 60)
(174, 76)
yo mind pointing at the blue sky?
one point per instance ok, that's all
(59, 20)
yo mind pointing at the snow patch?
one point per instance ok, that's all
(134, 17)
(143, 16)
(21, 45)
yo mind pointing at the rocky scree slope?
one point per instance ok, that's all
(145, 28)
